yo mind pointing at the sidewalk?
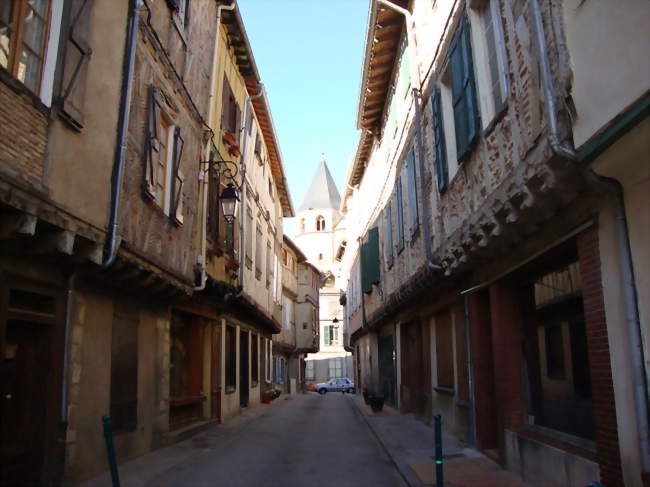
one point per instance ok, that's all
(410, 445)
(142, 470)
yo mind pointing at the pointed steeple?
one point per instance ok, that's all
(322, 192)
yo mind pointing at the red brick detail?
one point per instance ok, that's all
(506, 347)
(24, 134)
(607, 448)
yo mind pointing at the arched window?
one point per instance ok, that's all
(320, 257)
(320, 223)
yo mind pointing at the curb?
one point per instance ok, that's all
(403, 474)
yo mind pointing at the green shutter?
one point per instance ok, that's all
(400, 215)
(370, 261)
(466, 117)
(412, 192)
(326, 335)
(442, 169)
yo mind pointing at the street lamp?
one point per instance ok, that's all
(229, 198)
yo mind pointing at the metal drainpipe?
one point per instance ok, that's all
(417, 101)
(112, 243)
(623, 242)
(206, 176)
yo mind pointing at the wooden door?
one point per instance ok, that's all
(216, 372)
(243, 368)
(414, 373)
(24, 376)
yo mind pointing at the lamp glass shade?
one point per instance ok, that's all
(229, 199)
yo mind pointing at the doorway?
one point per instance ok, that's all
(416, 369)
(387, 368)
(244, 384)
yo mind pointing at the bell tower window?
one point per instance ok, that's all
(320, 223)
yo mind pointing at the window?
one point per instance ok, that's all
(341, 250)
(258, 147)
(258, 253)
(491, 62)
(444, 350)
(287, 312)
(269, 264)
(411, 176)
(124, 368)
(279, 370)
(327, 338)
(163, 177)
(370, 265)
(271, 188)
(285, 257)
(335, 368)
(255, 365)
(463, 92)
(302, 225)
(249, 236)
(320, 223)
(388, 234)
(23, 38)
(231, 358)
(230, 112)
(320, 257)
(309, 370)
(400, 215)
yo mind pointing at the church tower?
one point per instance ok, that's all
(319, 238)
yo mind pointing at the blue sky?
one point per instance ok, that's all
(309, 54)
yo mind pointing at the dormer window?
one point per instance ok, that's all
(320, 223)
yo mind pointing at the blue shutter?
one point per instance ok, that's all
(400, 216)
(466, 117)
(412, 192)
(388, 243)
(442, 168)
(370, 261)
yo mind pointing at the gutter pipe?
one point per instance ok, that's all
(417, 101)
(623, 243)
(113, 243)
(202, 175)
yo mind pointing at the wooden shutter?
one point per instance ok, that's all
(177, 178)
(153, 143)
(213, 205)
(442, 169)
(466, 117)
(225, 106)
(400, 215)
(388, 244)
(75, 63)
(370, 261)
(411, 175)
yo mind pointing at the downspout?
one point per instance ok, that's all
(417, 101)
(112, 243)
(623, 243)
(203, 176)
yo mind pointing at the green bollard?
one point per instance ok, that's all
(438, 431)
(110, 451)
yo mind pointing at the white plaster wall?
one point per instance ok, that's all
(608, 49)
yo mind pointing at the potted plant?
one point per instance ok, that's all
(266, 397)
(376, 402)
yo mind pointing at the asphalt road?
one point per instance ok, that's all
(307, 440)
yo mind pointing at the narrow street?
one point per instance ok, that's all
(303, 440)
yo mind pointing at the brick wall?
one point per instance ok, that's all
(608, 453)
(24, 131)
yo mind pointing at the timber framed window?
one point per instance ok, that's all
(23, 37)
(124, 368)
(164, 179)
(231, 359)
(255, 364)
(320, 223)
(230, 111)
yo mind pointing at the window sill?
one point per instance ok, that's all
(580, 446)
(445, 390)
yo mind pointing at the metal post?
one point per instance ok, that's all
(110, 451)
(438, 430)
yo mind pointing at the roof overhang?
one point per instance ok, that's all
(241, 48)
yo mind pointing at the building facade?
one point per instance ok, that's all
(321, 236)
(481, 229)
(124, 282)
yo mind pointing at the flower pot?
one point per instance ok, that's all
(266, 398)
(376, 403)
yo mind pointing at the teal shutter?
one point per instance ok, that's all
(442, 169)
(412, 192)
(466, 117)
(388, 244)
(400, 216)
(370, 261)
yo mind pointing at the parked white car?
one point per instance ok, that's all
(335, 385)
